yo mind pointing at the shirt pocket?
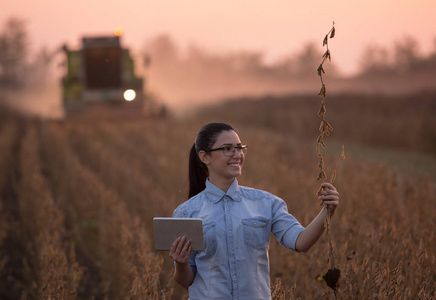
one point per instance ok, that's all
(209, 235)
(255, 232)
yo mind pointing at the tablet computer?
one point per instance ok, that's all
(167, 230)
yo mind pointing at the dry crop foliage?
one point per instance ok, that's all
(140, 173)
(374, 229)
(58, 273)
(324, 128)
(8, 134)
(114, 240)
(333, 274)
(125, 174)
(401, 122)
(110, 178)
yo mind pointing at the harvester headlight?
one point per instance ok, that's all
(129, 95)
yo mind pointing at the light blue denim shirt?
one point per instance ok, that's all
(236, 228)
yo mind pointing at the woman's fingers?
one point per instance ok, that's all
(328, 190)
(334, 198)
(327, 186)
(329, 196)
(186, 247)
(180, 244)
(174, 245)
(326, 195)
(187, 252)
(180, 250)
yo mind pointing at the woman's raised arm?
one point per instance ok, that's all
(310, 235)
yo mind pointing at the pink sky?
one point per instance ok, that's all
(276, 27)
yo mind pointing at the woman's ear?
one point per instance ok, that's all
(204, 157)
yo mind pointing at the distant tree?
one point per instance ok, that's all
(406, 54)
(375, 59)
(251, 62)
(430, 61)
(432, 56)
(307, 60)
(13, 54)
(39, 68)
(302, 63)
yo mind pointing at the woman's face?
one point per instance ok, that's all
(223, 167)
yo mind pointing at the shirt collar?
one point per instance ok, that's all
(215, 194)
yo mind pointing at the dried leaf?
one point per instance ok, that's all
(322, 92)
(327, 55)
(333, 178)
(322, 110)
(321, 175)
(325, 40)
(343, 152)
(318, 151)
(324, 176)
(329, 127)
(320, 69)
(320, 141)
(322, 126)
(332, 35)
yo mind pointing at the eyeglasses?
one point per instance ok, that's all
(231, 150)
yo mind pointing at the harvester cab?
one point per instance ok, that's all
(101, 75)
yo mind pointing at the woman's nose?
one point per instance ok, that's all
(237, 152)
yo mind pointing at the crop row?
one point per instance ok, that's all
(110, 238)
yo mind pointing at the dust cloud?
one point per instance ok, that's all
(184, 79)
(200, 77)
(43, 101)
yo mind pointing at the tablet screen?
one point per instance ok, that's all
(167, 230)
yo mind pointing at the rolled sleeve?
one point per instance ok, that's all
(285, 226)
(291, 236)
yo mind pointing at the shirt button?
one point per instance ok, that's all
(230, 232)
(227, 212)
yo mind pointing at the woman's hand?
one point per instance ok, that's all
(180, 250)
(308, 237)
(329, 196)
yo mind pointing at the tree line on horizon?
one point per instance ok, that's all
(403, 55)
(21, 67)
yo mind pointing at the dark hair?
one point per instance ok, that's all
(197, 169)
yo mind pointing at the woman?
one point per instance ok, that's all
(237, 222)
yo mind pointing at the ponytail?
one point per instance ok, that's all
(205, 139)
(197, 173)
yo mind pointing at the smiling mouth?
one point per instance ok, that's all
(235, 165)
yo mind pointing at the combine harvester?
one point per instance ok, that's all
(100, 80)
